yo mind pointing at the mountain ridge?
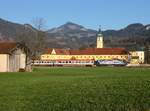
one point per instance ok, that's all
(72, 35)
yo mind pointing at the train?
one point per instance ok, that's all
(80, 63)
(63, 63)
(116, 62)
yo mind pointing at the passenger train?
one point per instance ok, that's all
(63, 63)
(80, 63)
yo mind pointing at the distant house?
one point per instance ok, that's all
(137, 57)
(13, 57)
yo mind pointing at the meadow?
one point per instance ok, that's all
(76, 89)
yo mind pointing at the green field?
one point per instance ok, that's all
(76, 89)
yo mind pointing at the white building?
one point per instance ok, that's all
(137, 57)
(12, 57)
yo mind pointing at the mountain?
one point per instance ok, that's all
(72, 35)
(9, 30)
(134, 36)
(74, 29)
(76, 36)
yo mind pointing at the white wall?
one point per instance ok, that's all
(13, 62)
(22, 61)
(140, 54)
(17, 60)
(4, 62)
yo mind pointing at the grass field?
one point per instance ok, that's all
(76, 89)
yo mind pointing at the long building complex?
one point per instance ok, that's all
(83, 56)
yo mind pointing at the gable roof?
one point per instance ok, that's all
(49, 50)
(90, 51)
(62, 51)
(58, 51)
(6, 48)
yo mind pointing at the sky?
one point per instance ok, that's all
(110, 14)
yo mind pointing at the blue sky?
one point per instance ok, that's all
(111, 14)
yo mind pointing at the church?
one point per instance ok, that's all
(83, 56)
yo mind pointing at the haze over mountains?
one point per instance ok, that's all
(71, 35)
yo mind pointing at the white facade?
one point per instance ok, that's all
(22, 61)
(13, 62)
(4, 62)
(137, 57)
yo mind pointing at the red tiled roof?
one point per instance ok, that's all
(99, 51)
(49, 50)
(90, 51)
(62, 51)
(5, 48)
(58, 51)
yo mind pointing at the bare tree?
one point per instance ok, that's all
(40, 39)
(33, 37)
(39, 23)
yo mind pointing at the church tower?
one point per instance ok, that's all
(100, 39)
